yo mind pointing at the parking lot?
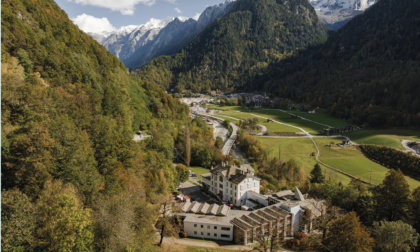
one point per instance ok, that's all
(196, 194)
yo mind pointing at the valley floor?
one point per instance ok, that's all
(347, 159)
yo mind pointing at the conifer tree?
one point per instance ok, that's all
(347, 234)
(316, 175)
(392, 197)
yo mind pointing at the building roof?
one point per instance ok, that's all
(185, 206)
(230, 171)
(257, 195)
(194, 207)
(314, 206)
(208, 219)
(298, 194)
(203, 208)
(206, 176)
(213, 209)
(223, 210)
(290, 204)
(283, 193)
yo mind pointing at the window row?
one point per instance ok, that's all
(215, 227)
(215, 235)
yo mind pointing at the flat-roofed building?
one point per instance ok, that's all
(208, 227)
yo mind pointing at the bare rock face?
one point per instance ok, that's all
(137, 45)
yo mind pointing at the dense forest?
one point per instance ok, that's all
(367, 72)
(392, 158)
(253, 35)
(72, 177)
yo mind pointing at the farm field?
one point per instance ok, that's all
(386, 137)
(321, 116)
(272, 127)
(286, 118)
(226, 107)
(351, 160)
(298, 149)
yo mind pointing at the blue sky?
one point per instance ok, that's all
(97, 15)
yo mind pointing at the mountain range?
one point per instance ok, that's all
(137, 45)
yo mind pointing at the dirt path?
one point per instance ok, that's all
(263, 130)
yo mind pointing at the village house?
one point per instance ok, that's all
(231, 183)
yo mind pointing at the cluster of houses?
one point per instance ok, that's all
(246, 214)
(340, 130)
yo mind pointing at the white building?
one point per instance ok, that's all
(231, 183)
(209, 227)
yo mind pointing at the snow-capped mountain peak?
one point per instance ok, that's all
(360, 5)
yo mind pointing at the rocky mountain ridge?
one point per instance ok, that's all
(137, 45)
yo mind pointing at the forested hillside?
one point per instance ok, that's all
(254, 34)
(72, 177)
(368, 71)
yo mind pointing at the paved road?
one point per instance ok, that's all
(408, 149)
(228, 145)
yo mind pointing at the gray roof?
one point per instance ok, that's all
(283, 193)
(203, 208)
(194, 207)
(208, 219)
(213, 209)
(257, 195)
(223, 210)
(185, 206)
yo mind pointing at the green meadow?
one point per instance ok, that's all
(384, 137)
(351, 160)
(298, 149)
(272, 127)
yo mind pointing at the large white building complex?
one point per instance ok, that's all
(233, 184)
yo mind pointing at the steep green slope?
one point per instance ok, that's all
(70, 169)
(254, 34)
(69, 107)
(368, 71)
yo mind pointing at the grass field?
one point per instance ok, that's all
(199, 171)
(321, 116)
(351, 160)
(386, 137)
(298, 149)
(286, 118)
(272, 127)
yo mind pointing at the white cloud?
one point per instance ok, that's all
(93, 24)
(171, 1)
(126, 7)
(196, 16)
(178, 10)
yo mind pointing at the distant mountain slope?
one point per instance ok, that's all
(234, 48)
(137, 45)
(369, 71)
